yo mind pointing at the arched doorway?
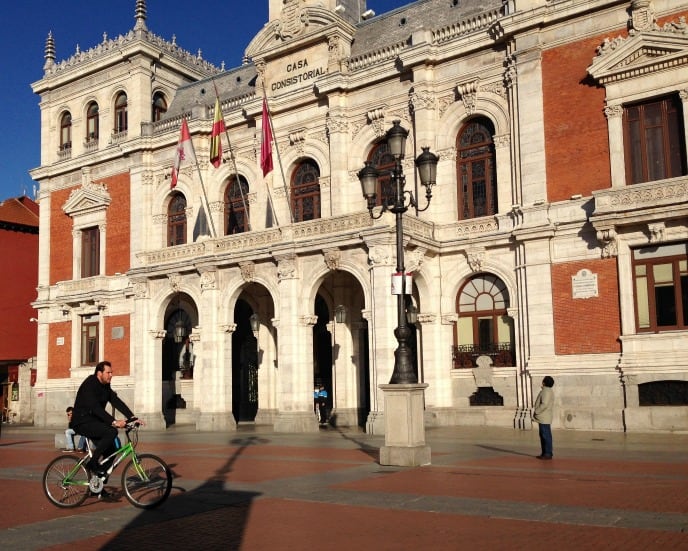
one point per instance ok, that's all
(181, 316)
(322, 351)
(340, 349)
(244, 365)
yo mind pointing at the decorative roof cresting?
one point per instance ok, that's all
(113, 46)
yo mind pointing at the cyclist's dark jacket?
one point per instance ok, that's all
(91, 399)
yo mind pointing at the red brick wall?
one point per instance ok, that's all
(118, 231)
(117, 350)
(590, 325)
(17, 291)
(60, 238)
(59, 357)
(118, 224)
(576, 135)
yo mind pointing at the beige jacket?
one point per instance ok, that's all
(543, 408)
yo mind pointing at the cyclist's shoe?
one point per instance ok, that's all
(97, 469)
(104, 494)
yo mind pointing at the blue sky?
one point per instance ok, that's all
(26, 24)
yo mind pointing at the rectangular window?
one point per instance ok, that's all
(661, 287)
(90, 252)
(654, 143)
(89, 340)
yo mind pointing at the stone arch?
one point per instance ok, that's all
(456, 116)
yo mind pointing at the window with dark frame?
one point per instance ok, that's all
(661, 287)
(484, 327)
(654, 145)
(236, 206)
(476, 170)
(66, 131)
(89, 340)
(159, 106)
(92, 122)
(121, 116)
(305, 192)
(383, 161)
(90, 252)
(176, 220)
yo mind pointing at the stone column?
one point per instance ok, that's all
(382, 322)
(213, 367)
(295, 362)
(147, 348)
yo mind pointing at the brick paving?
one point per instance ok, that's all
(254, 489)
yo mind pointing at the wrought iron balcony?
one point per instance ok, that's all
(464, 356)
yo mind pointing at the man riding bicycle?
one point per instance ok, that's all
(90, 419)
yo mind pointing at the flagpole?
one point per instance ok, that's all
(179, 156)
(233, 161)
(279, 158)
(205, 196)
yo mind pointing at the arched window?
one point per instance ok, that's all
(159, 106)
(65, 131)
(305, 192)
(475, 169)
(484, 329)
(176, 220)
(121, 123)
(92, 122)
(383, 161)
(236, 206)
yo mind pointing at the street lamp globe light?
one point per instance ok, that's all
(396, 140)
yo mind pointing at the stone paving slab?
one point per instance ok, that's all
(254, 489)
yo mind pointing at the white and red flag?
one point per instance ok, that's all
(266, 144)
(185, 152)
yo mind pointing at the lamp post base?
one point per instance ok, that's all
(404, 426)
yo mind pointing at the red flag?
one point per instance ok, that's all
(266, 145)
(216, 136)
(185, 152)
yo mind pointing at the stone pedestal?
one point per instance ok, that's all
(404, 426)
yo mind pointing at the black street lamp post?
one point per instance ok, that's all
(401, 201)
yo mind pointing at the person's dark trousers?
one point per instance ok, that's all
(545, 432)
(102, 434)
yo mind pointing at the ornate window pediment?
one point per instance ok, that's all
(88, 198)
(641, 54)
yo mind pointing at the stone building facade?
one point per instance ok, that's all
(554, 244)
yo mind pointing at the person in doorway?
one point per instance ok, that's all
(187, 358)
(69, 435)
(90, 419)
(322, 404)
(543, 409)
(316, 403)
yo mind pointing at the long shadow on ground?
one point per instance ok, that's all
(207, 517)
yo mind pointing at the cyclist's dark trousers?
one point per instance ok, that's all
(103, 435)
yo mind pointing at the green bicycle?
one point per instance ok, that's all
(146, 479)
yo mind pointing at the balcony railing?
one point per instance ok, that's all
(465, 356)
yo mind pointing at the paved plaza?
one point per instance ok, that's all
(254, 489)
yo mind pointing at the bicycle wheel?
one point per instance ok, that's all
(65, 482)
(147, 481)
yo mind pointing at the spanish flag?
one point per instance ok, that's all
(216, 136)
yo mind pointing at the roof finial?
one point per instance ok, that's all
(140, 15)
(49, 52)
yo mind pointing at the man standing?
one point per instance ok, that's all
(543, 409)
(90, 419)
